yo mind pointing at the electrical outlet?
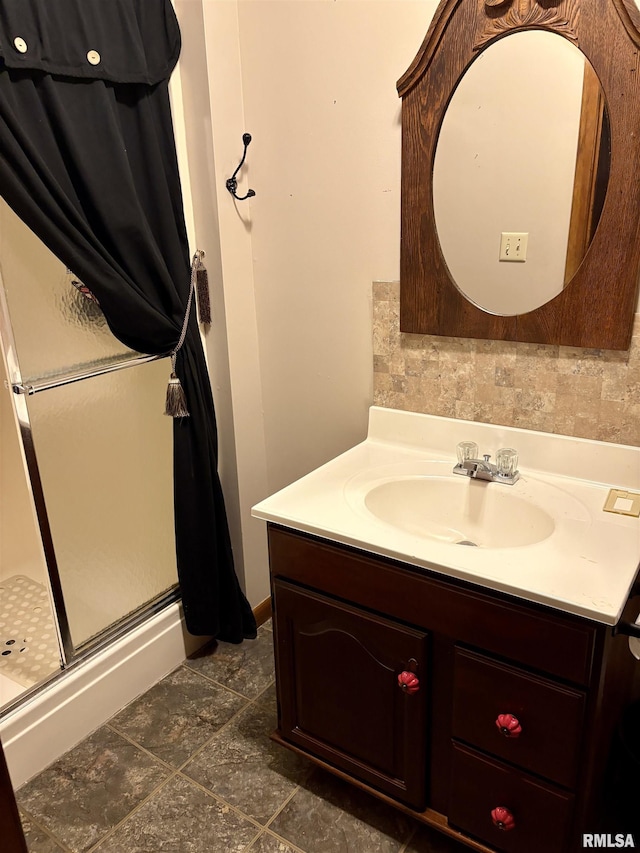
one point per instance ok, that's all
(513, 245)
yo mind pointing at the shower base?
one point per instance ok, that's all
(28, 643)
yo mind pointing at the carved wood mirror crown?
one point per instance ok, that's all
(467, 172)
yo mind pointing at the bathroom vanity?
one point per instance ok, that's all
(476, 688)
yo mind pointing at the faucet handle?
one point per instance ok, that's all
(466, 450)
(507, 462)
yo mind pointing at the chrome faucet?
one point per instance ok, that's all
(483, 469)
(478, 469)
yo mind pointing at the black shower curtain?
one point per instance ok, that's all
(88, 162)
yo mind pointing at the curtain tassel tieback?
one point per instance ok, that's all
(202, 292)
(176, 404)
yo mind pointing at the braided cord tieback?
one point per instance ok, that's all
(176, 403)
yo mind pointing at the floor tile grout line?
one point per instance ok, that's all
(249, 846)
(210, 647)
(139, 746)
(51, 835)
(282, 806)
(264, 690)
(212, 680)
(412, 835)
(220, 799)
(216, 734)
(279, 810)
(130, 814)
(185, 665)
(113, 727)
(295, 847)
(211, 739)
(404, 847)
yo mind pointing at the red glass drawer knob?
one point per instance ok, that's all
(508, 725)
(503, 819)
(409, 682)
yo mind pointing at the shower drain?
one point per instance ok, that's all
(28, 641)
(20, 646)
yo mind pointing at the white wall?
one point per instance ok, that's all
(290, 348)
(318, 79)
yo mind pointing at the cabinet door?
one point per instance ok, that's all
(340, 698)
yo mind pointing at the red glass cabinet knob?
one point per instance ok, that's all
(409, 682)
(508, 725)
(503, 819)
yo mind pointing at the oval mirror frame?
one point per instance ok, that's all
(597, 309)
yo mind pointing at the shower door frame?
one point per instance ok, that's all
(70, 654)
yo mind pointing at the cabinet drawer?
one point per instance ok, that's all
(337, 670)
(541, 814)
(550, 716)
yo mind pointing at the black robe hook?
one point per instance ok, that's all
(232, 184)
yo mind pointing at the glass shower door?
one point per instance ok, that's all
(98, 447)
(104, 452)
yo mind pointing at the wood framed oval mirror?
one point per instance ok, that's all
(520, 135)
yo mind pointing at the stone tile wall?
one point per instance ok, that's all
(583, 392)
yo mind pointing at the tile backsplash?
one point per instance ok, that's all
(589, 393)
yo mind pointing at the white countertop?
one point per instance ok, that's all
(586, 566)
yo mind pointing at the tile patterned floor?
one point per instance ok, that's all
(188, 767)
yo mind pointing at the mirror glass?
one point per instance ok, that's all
(523, 149)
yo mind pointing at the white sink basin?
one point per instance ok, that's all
(460, 511)
(546, 538)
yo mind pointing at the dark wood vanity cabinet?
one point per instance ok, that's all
(488, 718)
